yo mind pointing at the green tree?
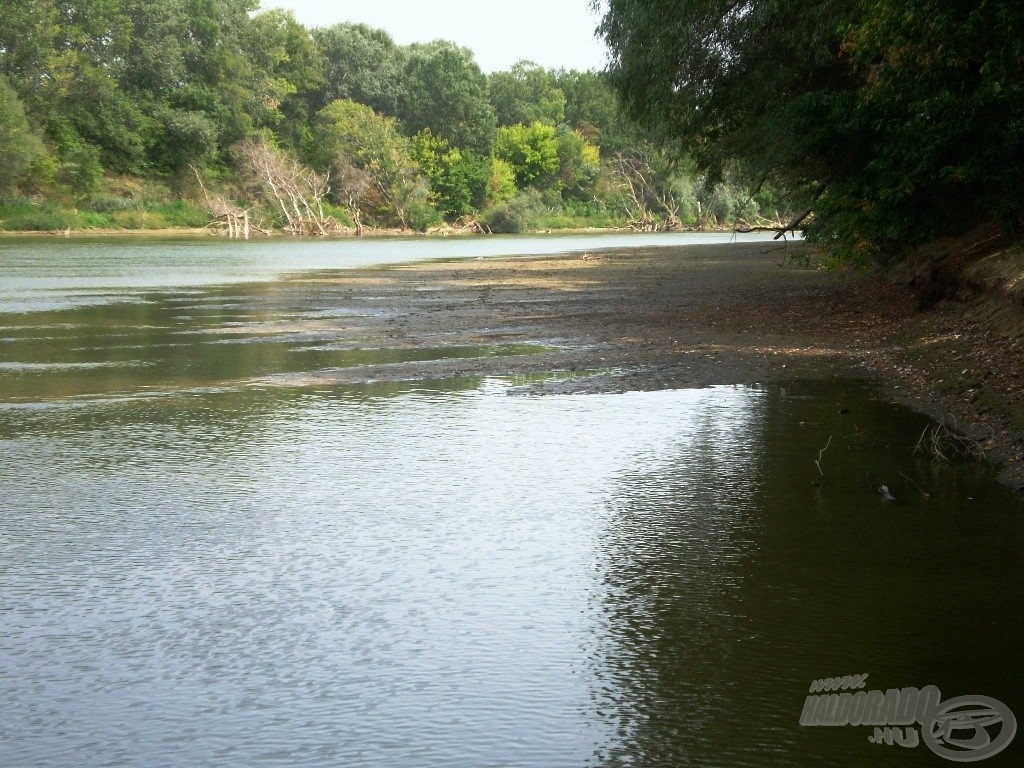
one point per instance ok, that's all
(896, 121)
(19, 146)
(284, 52)
(63, 59)
(362, 64)
(579, 164)
(592, 108)
(526, 93)
(350, 135)
(458, 179)
(940, 123)
(532, 151)
(501, 186)
(445, 92)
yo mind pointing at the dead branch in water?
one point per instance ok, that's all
(821, 453)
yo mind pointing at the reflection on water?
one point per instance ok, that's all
(41, 274)
(461, 578)
(200, 568)
(218, 337)
(735, 575)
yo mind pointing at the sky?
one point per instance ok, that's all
(553, 33)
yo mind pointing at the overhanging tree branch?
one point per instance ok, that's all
(799, 219)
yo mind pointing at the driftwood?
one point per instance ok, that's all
(462, 226)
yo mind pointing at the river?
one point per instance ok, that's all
(199, 567)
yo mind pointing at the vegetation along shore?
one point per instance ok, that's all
(888, 133)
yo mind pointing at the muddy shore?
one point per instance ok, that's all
(698, 316)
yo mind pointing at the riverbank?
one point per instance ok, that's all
(693, 317)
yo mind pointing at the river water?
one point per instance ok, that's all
(199, 568)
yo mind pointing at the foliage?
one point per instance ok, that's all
(579, 164)
(940, 96)
(501, 186)
(527, 93)
(898, 121)
(458, 180)
(19, 146)
(27, 216)
(592, 108)
(520, 214)
(276, 44)
(445, 91)
(115, 108)
(351, 135)
(361, 64)
(532, 151)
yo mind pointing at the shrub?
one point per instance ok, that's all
(520, 214)
(38, 218)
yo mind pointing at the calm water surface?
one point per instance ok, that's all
(198, 568)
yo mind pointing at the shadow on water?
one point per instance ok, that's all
(202, 563)
(734, 573)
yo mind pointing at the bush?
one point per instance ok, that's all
(108, 204)
(31, 217)
(179, 213)
(520, 214)
(93, 220)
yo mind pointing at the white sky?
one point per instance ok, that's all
(554, 33)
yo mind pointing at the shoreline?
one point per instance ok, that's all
(668, 317)
(440, 232)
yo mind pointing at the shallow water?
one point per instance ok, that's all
(198, 568)
(43, 273)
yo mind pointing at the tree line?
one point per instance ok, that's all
(121, 112)
(892, 122)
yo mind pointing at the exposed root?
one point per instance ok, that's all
(942, 440)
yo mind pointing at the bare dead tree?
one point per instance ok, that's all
(295, 189)
(352, 186)
(227, 216)
(642, 193)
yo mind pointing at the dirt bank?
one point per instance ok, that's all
(698, 316)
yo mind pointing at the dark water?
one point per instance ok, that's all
(199, 569)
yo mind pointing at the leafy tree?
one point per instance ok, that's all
(579, 164)
(283, 51)
(527, 93)
(445, 92)
(592, 108)
(351, 135)
(63, 59)
(532, 151)
(940, 116)
(458, 179)
(897, 121)
(19, 146)
(501, 186)
(360, 63)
